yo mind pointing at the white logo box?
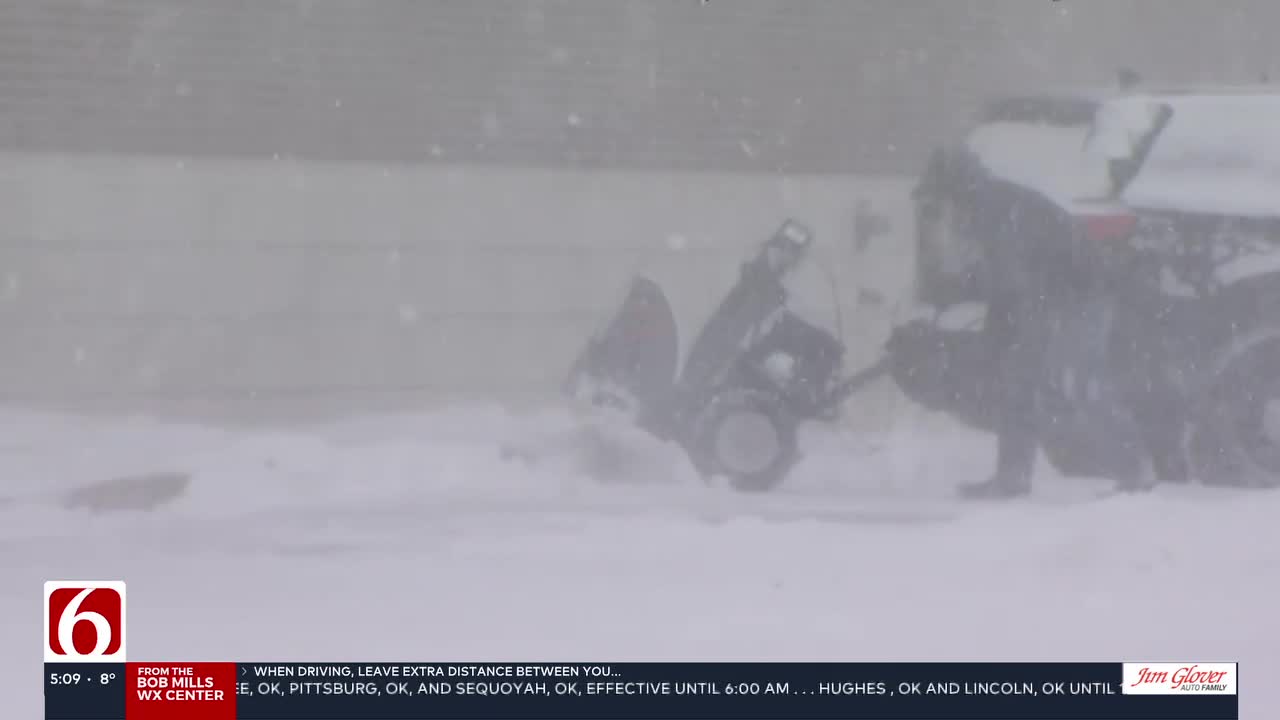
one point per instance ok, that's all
(1179, 678)
(107, 629)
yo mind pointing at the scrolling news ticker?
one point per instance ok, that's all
(87, 677)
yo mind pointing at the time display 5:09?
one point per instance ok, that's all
(64, 678)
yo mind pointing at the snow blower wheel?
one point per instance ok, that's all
(748, 437)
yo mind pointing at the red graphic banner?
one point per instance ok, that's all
(191, 691)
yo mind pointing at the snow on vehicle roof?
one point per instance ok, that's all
(1047, 158)
(1039, 140)
(1218, 154)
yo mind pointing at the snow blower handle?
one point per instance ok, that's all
(856, 382)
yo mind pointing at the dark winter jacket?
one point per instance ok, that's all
(1032, 250)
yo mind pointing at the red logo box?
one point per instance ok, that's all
(190, 691)
(84, 621)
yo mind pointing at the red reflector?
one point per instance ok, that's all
(1109, 227)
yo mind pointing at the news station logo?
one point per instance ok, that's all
(1179, 679)
(84, 621)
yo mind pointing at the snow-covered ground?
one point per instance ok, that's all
(415, 538)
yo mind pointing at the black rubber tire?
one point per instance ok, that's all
(706, 449)
(1223, 447)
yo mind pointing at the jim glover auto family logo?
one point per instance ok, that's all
(1179, 679)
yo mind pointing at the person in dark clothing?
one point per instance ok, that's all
(1044, 275)
(1031, 266)
(1015, 331)
(1148, 350)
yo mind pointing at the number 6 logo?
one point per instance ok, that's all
(84, 621)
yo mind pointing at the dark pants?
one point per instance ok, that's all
(1163, 419)
(1017, 329)
(1158, 404)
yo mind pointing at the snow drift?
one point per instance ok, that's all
(413, 537)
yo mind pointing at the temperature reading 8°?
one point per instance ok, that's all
(742, 689)
(106, 678)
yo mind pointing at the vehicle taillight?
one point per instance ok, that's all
(1110, 227)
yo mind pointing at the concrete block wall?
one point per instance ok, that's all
(270, 289)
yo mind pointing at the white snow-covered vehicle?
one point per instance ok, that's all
(1177, 194)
